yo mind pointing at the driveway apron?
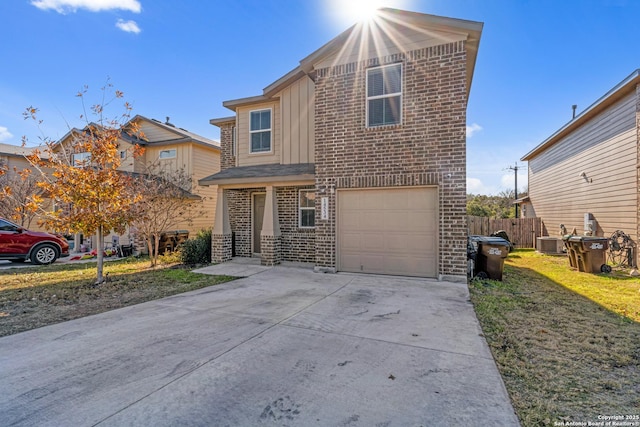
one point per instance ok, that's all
(284, 347)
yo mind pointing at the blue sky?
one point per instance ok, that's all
(183, 59)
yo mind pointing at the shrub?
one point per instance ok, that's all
(197, 250)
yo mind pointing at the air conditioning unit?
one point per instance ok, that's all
(550, 245)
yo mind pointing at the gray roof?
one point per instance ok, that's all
(259, 173)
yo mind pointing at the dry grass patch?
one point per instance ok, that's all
(567, 343)
(40, 296)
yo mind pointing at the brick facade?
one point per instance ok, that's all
(294, 244)
(227, 158)
(428, 148)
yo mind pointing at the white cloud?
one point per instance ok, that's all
(476, 186)
(508, 181)
(65, 6)
(473, 129)
(128, 26)
(5, 134)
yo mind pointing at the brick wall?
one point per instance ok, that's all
(428, 148)
(297, 244)
(227, 159)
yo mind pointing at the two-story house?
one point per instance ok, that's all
(169, 148)
(356, 159)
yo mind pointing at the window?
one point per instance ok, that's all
(81, 159)
(167, 154)
(307, 208)
(123, 154)
(384, 95)
(234, 141)
(260, 131)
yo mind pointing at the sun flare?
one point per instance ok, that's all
(349, 12)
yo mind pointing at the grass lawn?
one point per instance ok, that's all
(39, 296)
(567, 343)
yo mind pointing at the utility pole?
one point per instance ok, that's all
(515, 169)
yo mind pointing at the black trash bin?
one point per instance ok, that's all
(490, 257)
(590, 253)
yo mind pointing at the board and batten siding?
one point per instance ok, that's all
(298, 122)
(243, 117)
(605, 149)
(205, 162)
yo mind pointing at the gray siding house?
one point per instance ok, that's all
(590, 166)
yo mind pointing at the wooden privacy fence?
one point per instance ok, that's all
(521, 231)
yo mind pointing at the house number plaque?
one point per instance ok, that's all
(324, 208)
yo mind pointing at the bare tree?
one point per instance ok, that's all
(166, 200)
(17, 188)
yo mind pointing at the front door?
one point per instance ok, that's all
(258, 216)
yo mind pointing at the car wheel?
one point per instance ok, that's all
(44, 254)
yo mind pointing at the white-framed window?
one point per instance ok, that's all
(260, 131)
(81, 160)
(167, 154)
(123, 154)
(234, 141)
(384, 95)
(307, 209)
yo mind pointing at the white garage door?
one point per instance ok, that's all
(388, 231)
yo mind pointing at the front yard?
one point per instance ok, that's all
(567, 343)
(40, 296)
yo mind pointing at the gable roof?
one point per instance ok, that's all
(619, 91)
(181, 135)
(15, 150)
(407, 21)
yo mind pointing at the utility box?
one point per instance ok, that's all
(549, 245)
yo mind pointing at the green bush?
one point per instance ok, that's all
(197, 250)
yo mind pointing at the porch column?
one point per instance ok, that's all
(270, 243)
(221, 232)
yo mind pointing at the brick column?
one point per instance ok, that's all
(270, 237)
(221, 232)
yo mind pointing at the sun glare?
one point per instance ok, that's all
(348, 12)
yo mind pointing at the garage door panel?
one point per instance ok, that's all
(388, 231)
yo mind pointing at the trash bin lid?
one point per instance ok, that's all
(488, 240)
(588, 239)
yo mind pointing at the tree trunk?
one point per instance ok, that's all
(100, 255)
(150, 245)
(155, 251)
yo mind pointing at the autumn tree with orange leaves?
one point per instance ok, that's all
(89, 194)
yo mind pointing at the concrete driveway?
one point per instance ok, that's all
(285, 347)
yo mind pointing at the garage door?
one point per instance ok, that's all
(388, 231)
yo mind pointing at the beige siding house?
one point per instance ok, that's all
(169, 148)
(590, 166)
(356, 159)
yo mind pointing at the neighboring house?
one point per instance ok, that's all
(356, 159)
(165, 147)
(590, 167)
(13, 156)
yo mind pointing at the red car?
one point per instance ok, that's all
(18, 245)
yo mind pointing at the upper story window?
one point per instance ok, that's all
(80, 160)
(123, 154)
(384, 95)
(260, 131)
(167, 154)
(307, 209)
